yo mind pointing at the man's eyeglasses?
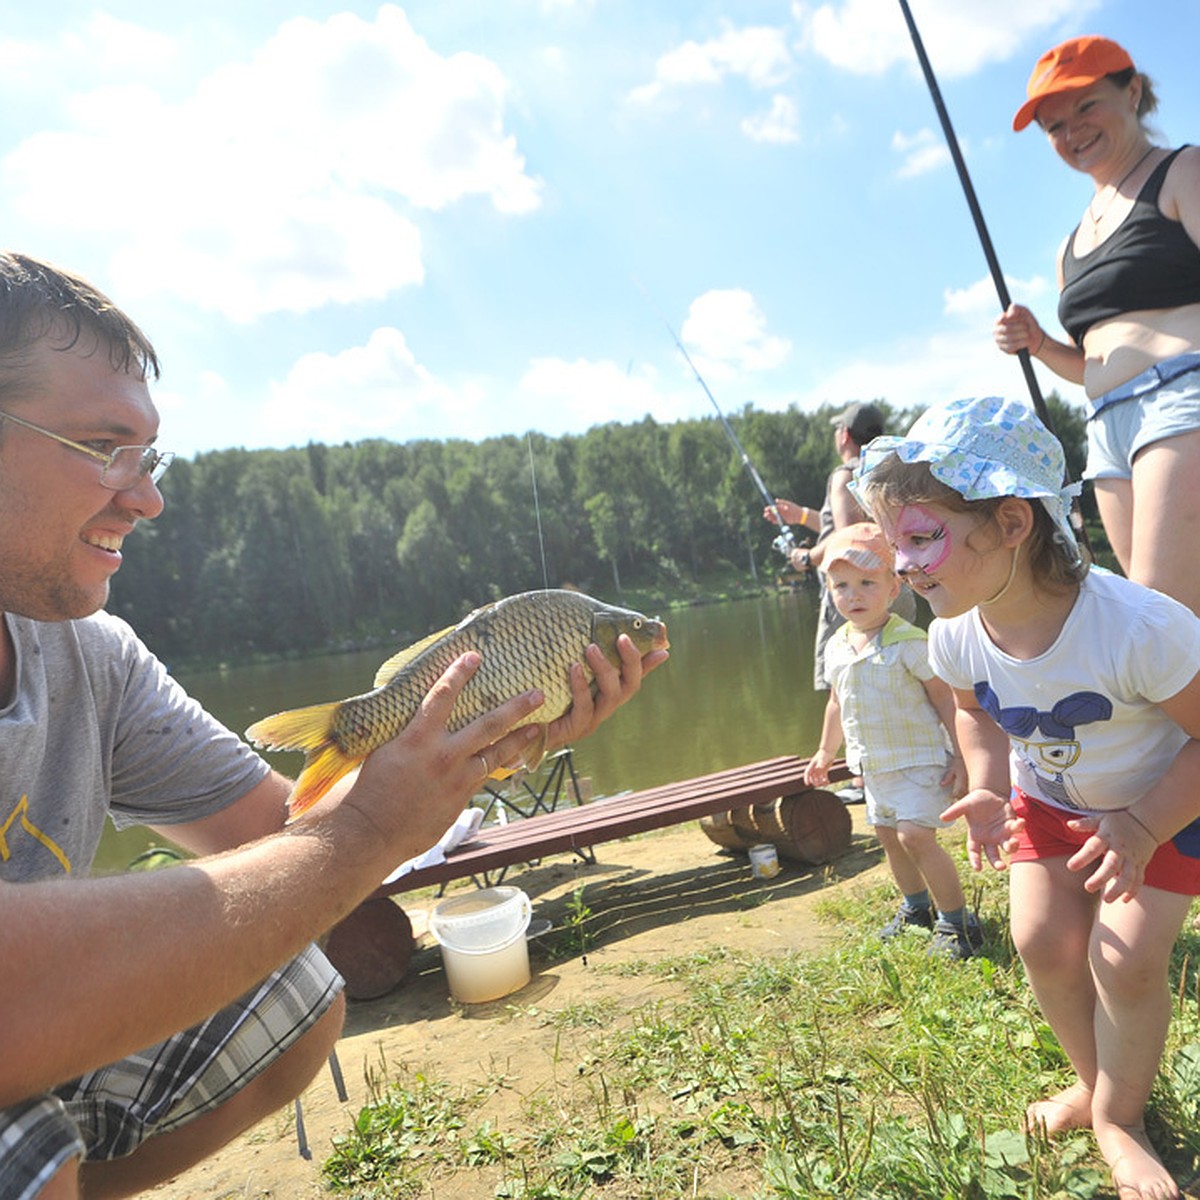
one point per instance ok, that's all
(122, 468)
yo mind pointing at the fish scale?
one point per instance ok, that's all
(525, 641)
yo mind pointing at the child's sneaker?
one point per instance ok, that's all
(958, 941)
(906, 917)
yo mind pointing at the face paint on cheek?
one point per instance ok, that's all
(922, 541)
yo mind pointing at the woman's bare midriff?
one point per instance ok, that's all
(1118, 349)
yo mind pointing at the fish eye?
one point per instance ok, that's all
(637, 624)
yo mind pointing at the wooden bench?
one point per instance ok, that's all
(373, 945)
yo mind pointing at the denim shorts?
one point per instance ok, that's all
(913, 794)
(109, 1112)
(1145, 410)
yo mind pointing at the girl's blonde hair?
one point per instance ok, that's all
(895, 484)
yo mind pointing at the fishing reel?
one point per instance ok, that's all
(785, 543)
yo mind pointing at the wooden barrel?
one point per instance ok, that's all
(809, 827)
(371, 948)
(743, 821)
(720, 828)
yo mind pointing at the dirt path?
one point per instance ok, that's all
(669, 893)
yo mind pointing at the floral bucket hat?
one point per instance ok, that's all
(985, 449)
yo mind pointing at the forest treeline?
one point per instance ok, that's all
(266, 552)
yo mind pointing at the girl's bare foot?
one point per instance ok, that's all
(1069, 1109)
(1138, 1173)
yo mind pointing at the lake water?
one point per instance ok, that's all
(737, 688)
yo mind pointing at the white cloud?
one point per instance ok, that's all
(962, 361)
(558, 396)
(757, 54)
(979, 302)
(868, 37)
(99, 46)
(781, 124)
(923, 151)
(726, 333)
(280, 183)
(375, 390)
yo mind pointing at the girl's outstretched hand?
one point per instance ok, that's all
(991, 827)
(1122, 844)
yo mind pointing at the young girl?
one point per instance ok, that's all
(1085, 685)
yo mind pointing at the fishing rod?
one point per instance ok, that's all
(785, 543)
(989, 252)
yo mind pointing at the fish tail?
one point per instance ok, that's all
(322, 769)
(296, 729)
(311, 730)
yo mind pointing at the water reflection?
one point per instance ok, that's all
(736, 689)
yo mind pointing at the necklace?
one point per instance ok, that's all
(1012, 574)
(1095, 220)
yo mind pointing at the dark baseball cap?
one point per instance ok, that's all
(862, 421)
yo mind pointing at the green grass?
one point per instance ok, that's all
(864, 1072)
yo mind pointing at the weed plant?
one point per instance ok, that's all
(868, 1072)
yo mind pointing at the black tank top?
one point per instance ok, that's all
(1148, 262)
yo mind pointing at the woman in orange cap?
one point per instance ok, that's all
(1129, 281)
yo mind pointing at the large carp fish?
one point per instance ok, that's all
(527, 641)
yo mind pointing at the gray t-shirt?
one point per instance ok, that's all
(97, 727)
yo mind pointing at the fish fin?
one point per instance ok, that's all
(306, 729)
(322, 769)
(296, 729)
(531, 759)
(394, 665)
(536, 750)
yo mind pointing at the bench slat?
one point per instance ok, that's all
(578, 827)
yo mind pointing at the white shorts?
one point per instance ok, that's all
(912, 794)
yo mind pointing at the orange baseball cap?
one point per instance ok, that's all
(1075, 64)
(862, 545)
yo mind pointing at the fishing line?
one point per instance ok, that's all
(989, 252)
(785, 543)
(537, 508)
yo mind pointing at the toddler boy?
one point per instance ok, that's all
(897, 720)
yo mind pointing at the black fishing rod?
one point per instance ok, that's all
(785, 543)
(989, 252)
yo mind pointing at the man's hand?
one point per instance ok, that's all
(411, 790)
(613, 688)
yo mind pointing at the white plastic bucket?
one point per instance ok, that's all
(764, 861)
(482, 936)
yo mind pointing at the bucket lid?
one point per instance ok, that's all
(481, 920)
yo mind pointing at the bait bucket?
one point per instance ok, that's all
(484, 949)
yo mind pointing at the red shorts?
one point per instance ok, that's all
(1174, 866)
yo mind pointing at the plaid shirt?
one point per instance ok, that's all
(887, 720)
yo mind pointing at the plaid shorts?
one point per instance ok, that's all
(109, 1112)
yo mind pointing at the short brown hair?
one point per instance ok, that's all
(38, 300)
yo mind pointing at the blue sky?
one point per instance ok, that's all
(340, 221)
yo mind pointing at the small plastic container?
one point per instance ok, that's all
(764, 861)
(484, 948)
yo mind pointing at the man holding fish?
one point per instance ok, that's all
(97, 970)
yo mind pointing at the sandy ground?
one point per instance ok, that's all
(667, 893)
